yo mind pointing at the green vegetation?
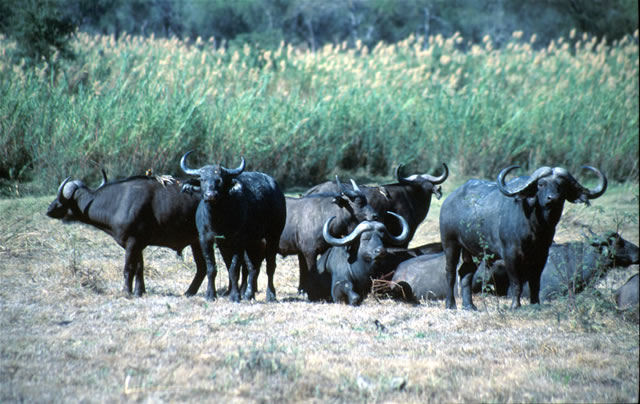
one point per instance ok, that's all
(301, 116)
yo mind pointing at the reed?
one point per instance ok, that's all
(140, 103)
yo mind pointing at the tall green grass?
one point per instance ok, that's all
(140, 103)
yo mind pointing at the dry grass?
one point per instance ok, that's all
(69, 334)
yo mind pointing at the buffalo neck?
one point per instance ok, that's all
(84, 199)
(541, 220)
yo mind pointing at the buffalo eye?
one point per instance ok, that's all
(542, 184)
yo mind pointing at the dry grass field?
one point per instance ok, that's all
(68, 333)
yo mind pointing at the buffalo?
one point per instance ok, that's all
(345, 270)
(410, 197)
(137, 212)
(514, 222)
(306, 215)
(569, 267)
(244, 213)
(627, 295)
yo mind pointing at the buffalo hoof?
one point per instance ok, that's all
(271, 296)
(210, 295)
(234, 297)
(470, 306)
(249, 296)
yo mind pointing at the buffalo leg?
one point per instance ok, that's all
(210, 260)
(342, 291)
(466, 271)
(515, 283)
(236, 262)
(130, 271)
(452, 255)
(534, 289)
(201, 270)
(249, 281)
(140, 289)
(304, 274)
(270, 253)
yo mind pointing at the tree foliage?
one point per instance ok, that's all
(41, 26)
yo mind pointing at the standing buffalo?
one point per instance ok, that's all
(410, 197)
(569, 268)
(137, 212)
(512, 222)
(345, 271)
(302, 234)
(244, 214)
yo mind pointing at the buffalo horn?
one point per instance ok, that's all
(427, 177)
(599, 189)
(540, 172)
(61, 188)
(104, 178)
(238, 170)
(183, 165)
(349, 238)
(403, 235)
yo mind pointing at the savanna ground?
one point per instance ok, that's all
(69, 334)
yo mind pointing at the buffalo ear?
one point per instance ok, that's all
(341, 201)
(578, 197)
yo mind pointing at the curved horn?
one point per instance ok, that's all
(600, 188)
(61, 187)
(183, 165)
(402, 237)
(104, 179)
(348, 239)
(355, 186)
(345, 191)
(404, 180)
(238, 170)
(540, 172)
(437, 180)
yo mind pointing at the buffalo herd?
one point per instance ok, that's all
(348, 235)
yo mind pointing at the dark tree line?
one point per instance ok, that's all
(39, 25)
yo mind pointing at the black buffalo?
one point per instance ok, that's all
(627, 295)
(244, 214)
(569, 267)
(410, 197)
(345, 270)
(137, 212)
(306, 216)
(512, 222)
(422, 277)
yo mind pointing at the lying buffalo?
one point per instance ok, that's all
(422, 278)
(627, 294)
(569, 268)
(513, 222)
(345, 270)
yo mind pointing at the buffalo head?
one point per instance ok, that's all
(65, 206)
(215, 180)
(549, 187)
(355, 202)
(371, 235)
(424, 180)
